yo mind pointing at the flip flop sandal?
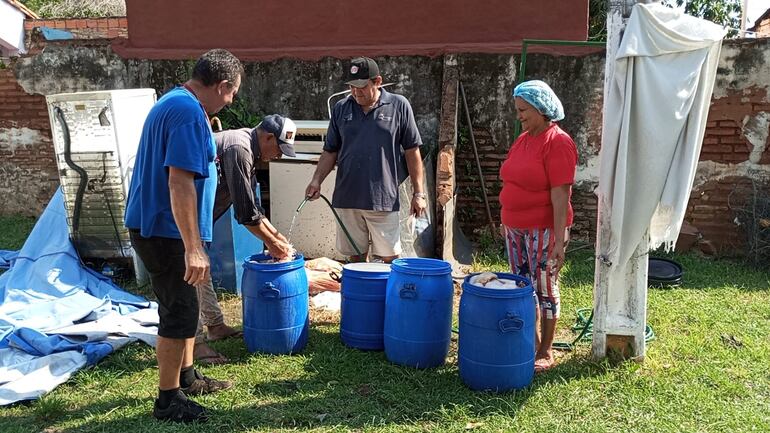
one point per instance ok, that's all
(235, 333)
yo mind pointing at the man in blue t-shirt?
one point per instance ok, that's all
(169, 217)
(371, 134)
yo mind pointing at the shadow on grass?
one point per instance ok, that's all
(19, 424)
(336, 387)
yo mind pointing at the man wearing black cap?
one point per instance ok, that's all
(371, 134)
(238, 152)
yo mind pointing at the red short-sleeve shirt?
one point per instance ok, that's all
(535, 165)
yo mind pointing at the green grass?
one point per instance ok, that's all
(707, 371)
(14, 230)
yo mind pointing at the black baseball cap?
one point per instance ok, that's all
(360, 71)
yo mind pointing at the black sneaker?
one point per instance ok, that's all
(181, 410)
(205, 385)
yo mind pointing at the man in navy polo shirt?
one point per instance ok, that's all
(169, 217)
(371, 133)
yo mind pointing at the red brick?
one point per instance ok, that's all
(60, 24)
(102, 23)
(113, 23)
(734, 139)
(91, 24)
(722, 148)
(735, 157)
(708, 156)
(722, 131)
(112, 33)
(123, 22)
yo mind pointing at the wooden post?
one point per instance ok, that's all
(445, 161)
(620, 291)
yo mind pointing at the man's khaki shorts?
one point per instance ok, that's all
(382, 228)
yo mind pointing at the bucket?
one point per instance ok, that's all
(362, 313)
(496, 347)
(275, 305)
(418, 312)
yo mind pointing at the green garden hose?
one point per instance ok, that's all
(584, 325)
(344, 229)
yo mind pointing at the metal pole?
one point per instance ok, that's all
(492, 227)
(744, 11)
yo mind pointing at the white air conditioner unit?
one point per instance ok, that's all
(96, 136)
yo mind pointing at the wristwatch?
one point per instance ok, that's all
(419, 195)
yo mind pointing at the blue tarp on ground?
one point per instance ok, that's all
(57, 316)
(7, 257)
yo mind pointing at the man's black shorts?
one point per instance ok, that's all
(177, 300)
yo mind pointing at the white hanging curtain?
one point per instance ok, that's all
(656, 115)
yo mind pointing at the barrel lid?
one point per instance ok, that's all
(663, 272)
(367, 267)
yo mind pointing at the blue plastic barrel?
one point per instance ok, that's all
(418, 312)
(496, 347)
(362, 310)
(230, 244)
(275, 305)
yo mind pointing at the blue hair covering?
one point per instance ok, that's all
(539, 95)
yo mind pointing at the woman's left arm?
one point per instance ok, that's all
(560, 203)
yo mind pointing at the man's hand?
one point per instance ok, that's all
(279, 249)
(313, 190)
(197, 267)
(419, 204)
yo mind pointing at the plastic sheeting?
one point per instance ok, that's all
(57, 316)
(7, 257)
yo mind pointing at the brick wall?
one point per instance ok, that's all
(710, 210)
(470, 199)
(85, 28)
(725, 140)
(28, 175)
(712, 204)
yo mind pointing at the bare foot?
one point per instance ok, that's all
(544, 362)
(205, 354)
(220, 332)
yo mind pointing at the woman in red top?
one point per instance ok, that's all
(536, 212)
